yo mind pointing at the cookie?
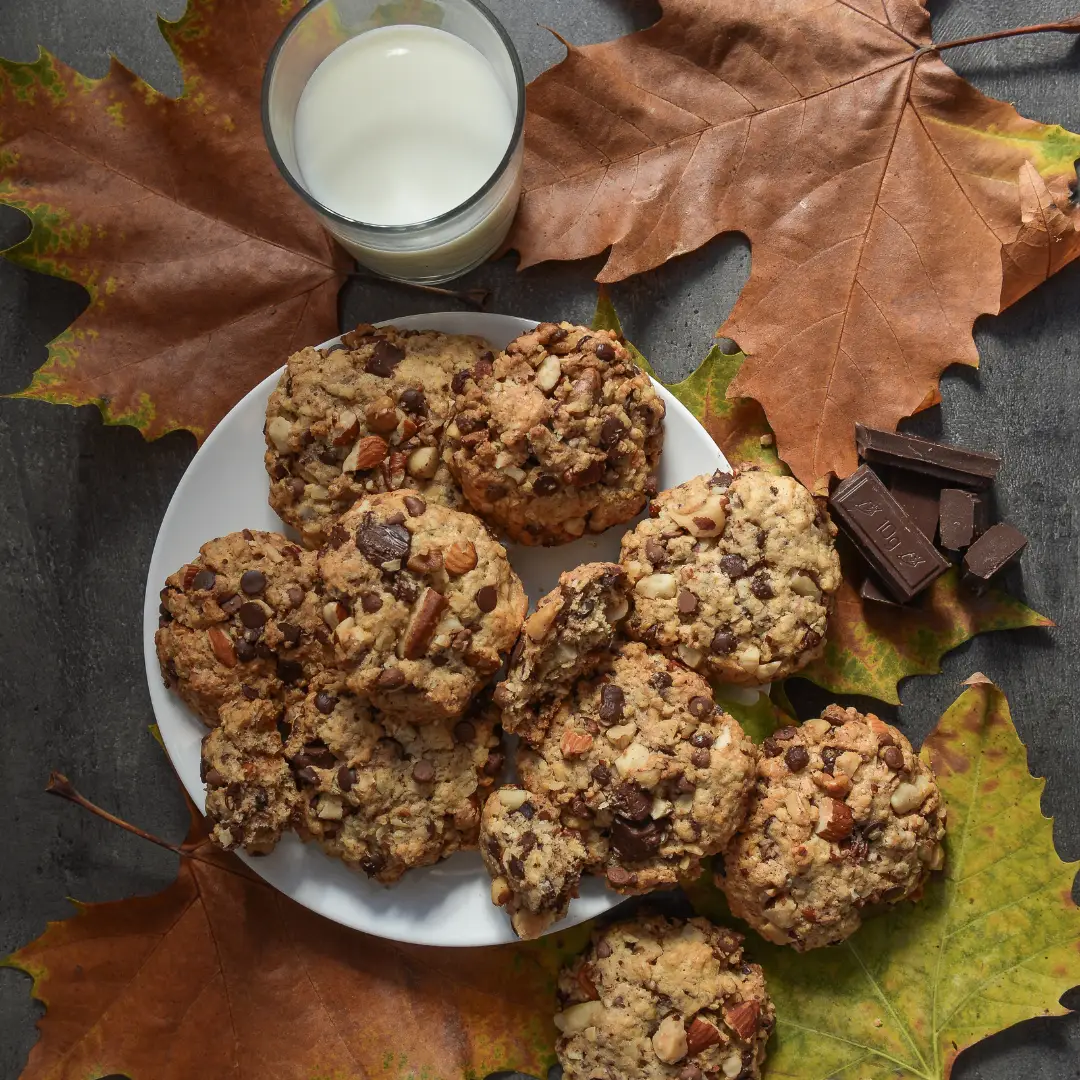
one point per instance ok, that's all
(385, 795)
(561, 438)
(663, 999)
(243, 620)
(364, 416)
(567, 633)
(644, 763)
(844, 816)
(734, 576)
(251, 793)
(535, 862)
(426, 604)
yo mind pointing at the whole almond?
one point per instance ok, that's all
(222, 645)
(700, 1035)
(369, 451)
(743, 1019)
(460, 557)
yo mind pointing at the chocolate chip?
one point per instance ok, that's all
(593, 473)
(337, 536)
(701, 758)
(296, 488)
(636, 841)
(723, 642)
(457, 383)
(384, 358)
(485, 365)
(629, 801)
(894, 758)
(284, 728)
(761, 587)
(700, 707)
(214, 778)
(734, 566)
(605, 351)
(785, 734)
(252, 615)
(545, 484)
(828, 758)
(416, 506)
(289, 671)
(771, 748)
(684, 785)
(601, 774)
(617, 876)
(382, 542)
(390, 679)
(249, 692)
(797, 758)
(580, 808)
(516, 868)
(487, 598)
(493, 765)
(655, 552)
(464, 731)
(370, 602)
(245, 651)
(372, 864)
(295, 595)
(612, 700)
(423, 771)
(346, 777)
(687, 602)
(811, 639)
(253, 582)
(231, 605)
(413, 401)
(701, 738)
(603, 950)
(290, 634)
(307, 775)
(611, 431)
(325, 702)
(396, 518)
(660, 681)
(203, 580)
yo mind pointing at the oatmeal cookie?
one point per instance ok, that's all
(364, 416)
(734, 576)
(647, 766)
(663, 999)
(571, 628)
(535, 862)
(243, 620)
(561, 438)
(844, 815)
(251, 793)
(385, 795)
(423, 604)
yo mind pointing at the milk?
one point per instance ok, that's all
(400, 125)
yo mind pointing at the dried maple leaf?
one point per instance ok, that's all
(888, 202)
(994, 940)
(204, 269)
(222, 975)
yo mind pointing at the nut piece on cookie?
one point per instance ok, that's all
(422, 604)
(844, 816)
(570, 630)
(364, 416)
(663, 999)
(244, 620)
(561, 437)
(641, 761)
(251, 795)
(734, 576)
(535, 862)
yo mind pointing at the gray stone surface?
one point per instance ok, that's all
(80, 503)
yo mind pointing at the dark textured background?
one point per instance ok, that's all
(80, 503)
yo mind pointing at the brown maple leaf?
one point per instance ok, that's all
(222, 975)
(888, 202)
(205, 270)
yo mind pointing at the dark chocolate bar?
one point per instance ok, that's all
(952, 464)
(1000, 545)
(873, 592)
(963, 518)
(901, 556)
(919, 496)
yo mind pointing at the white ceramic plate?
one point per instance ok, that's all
(225, 490)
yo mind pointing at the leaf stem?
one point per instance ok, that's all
(476, 299)
(1066, 26)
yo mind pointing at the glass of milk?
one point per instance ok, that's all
(399, 122)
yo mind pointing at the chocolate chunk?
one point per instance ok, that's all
(601, 774)
(487, 597)
(761, 587)
(873, 592)
(231, 604)
(346, 777)
(249, 692)
(458, 382)
(546, 484)
(963, 519)
(999, 546)
(828, 758)
(734, 566)
(252, 615)
(413, 401)
(919, 496)
(493, 765)
(464, 731)
(637, 841)
(723, 642)
(655, 552)
(528, 842)
(797, 758)
(699, 707)
(687, 602)
(629, 801)
(605, 351)
(325, 702)
(337, 536)
(611, 431)
(660, 681)
(423, 772)
(415, 505)
(203, 580)
(382, 542)
(612, 701)
(252, 582)
(245, 651)
(904, 560)
(593, 473)
(953, 464)
(289, 671)
(384, 359)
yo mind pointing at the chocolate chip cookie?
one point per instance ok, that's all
(641, 760)
(734, 575)
(251, 793)
(364, 416)
(663, 999)
(422, 602)
(844, 816)
(571, 628)
(243, 620)
(383, 794)
(561, 437)
(535, 862)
